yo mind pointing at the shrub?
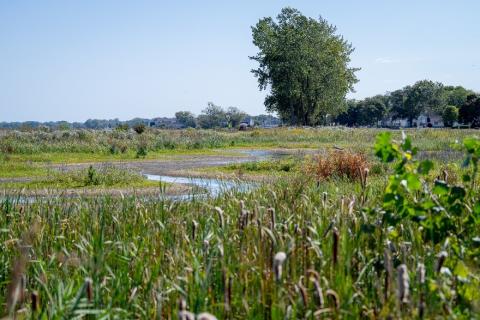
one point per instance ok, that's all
(139, 128)
(342, 164)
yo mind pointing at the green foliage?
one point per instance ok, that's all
(186, 119)
(305, 63)
(139, 128)
(469, 112)
(363, 113)
(450, 115)
(424, 96)
(445, 214)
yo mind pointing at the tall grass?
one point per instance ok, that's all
(293, 249)
(120, 142)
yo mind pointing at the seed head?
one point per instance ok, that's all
(206, 316)
(278, 261)
(403, 284)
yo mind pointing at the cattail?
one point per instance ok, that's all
(334, 296)
(220, 216)
(403, 284)
(182, 304)
(288, 313)
(194, 229)
(243, 218)
(388, 271)
(186, 315)
(421, 280)
(89, 289)
(303, 292)
(351, 205)
(206, 316)
(227, 291)
(363, 177)
(314, 276)
(324, 199)
(442, 256)
(271, 211)
(336, 235)
(278, 261)
(35, 301)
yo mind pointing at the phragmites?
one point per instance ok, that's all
(442, 256)
(336, 236)
(403, 284)
(278, 261)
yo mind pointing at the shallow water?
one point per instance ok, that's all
(212, 187)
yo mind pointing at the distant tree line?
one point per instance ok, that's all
(452, 103)
(214, 116)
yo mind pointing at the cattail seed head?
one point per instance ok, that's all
(334, 297)
(35, 301)
(271, 211)
(336, 236)
(89, 289)
(220, 216)
(206, 316)
(403, 284)
(194, 229)
(186, 315)
(421, 273)
(442, 256)
(278, 261)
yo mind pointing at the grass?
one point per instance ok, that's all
(107, 176)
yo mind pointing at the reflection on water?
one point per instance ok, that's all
(208, 187)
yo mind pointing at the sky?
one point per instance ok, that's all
(75, 60)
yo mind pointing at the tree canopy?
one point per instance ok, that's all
(306, 66)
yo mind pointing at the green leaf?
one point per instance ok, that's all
(461, 270)
(440, 188)
(425, 166)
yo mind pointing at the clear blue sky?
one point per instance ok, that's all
(74, 60)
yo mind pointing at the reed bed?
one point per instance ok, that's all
(290, 250)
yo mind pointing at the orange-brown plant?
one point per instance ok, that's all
(343, 164)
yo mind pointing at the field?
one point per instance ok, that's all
(337, 223)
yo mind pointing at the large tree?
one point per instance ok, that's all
(186, 119)
(306, 66)
(469, 112)
(424, 96)
(212, 116)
